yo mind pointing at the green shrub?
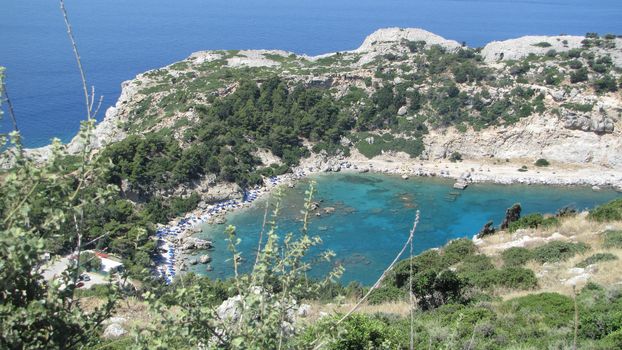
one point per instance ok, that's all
(458, 249)
(574, 53)
(597, 324)
(596, 258)
(579, 75)
(516, 278)
(532, 221)
(391, 57)
(556, 251)
(387, 142)
(117, 344)
(428, 260)
(516, 256)
(478, 271)
(605, 84)
(386, 293)
(455, 157)
(542, 44)
(363, 332)
(415, 46)
(98, 291)
(612, 239)
(575, 64)
(180, 206)
(542, 162)
(90, 261)
(551, 53)
(607, 212)
(354, 290)
(580, 107)
(600, 311)
(612, 341)
(554, 310)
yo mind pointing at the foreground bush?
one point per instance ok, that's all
(556, 251)
(607, 212)
(516, 256)
(612, 239)
(533, 221)
(357, 332)
(516, 278)
(481, 273)
(35, 205)
(596, 258)
(387, 294)
(552, 309)
(458, 249)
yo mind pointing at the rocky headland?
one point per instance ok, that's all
(573, 125)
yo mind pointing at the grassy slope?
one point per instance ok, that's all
(505, 304)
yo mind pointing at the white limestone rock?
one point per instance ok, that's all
(114, 330)
(387, 36)
(514, 49)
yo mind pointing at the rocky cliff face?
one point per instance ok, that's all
(568, 137)
(575, 124)
(532, 138)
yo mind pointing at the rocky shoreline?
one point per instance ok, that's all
(469, 171)
(507, 172)
(176, 240)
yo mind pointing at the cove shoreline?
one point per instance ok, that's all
(504, 172)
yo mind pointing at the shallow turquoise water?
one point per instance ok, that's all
(375, 212)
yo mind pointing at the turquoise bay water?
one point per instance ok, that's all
(374, 214)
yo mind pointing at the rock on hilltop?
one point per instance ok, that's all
(516, 49)
(386, 38)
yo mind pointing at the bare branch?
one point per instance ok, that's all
(380, 279)
(10, 106)
(412, 295)
(99, 104)
(77, 55)
(385, 273)
(263, 227)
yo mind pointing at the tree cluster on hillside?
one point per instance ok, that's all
(42, 209)
(228, 134)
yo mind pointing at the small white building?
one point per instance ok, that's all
(109, 265)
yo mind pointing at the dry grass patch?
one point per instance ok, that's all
(134, 311)
(554, 277)
(317, 310)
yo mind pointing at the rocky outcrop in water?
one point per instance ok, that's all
(487, 230)
(511, 214)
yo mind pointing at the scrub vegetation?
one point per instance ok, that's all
(464, 295)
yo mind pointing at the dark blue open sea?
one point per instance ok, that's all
(121, 38)
(374, 213)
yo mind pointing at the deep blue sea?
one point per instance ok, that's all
(374, 214)
(121, 38)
